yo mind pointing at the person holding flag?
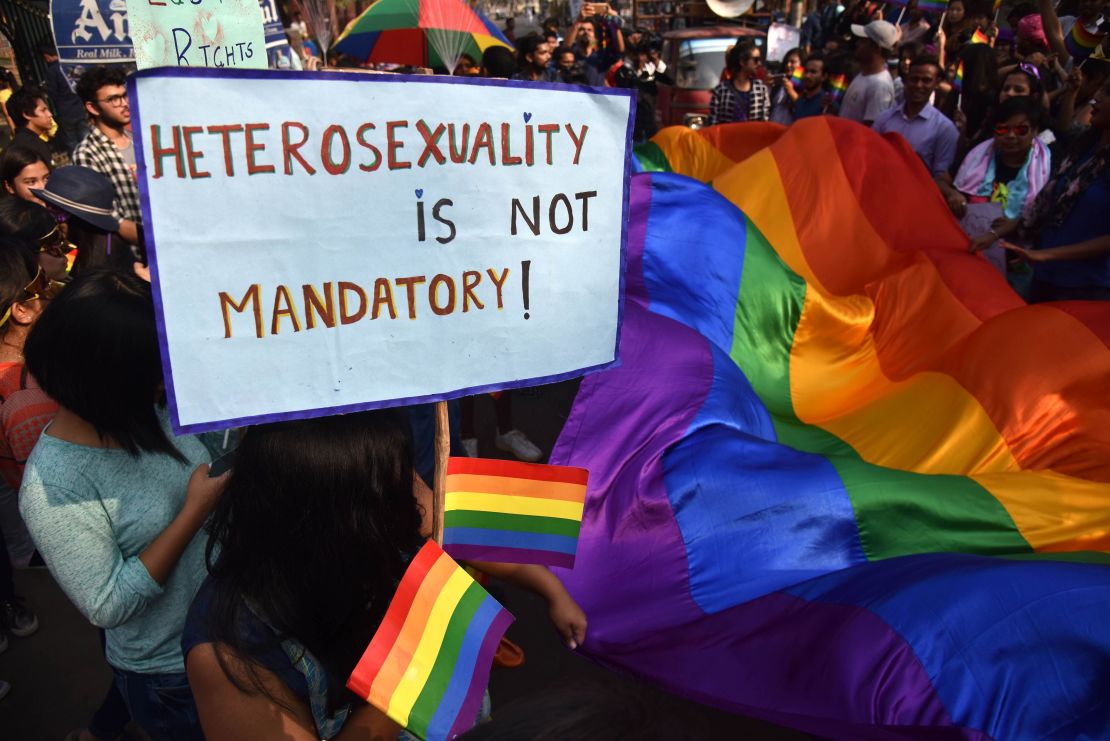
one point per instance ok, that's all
(296, 593)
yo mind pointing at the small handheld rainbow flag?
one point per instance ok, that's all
(513, 512)
(958, 80)
(428, 665)
(979, 37)
(838, 85)
(796, 76)
(1081, 42)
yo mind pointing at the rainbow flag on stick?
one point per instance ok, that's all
(513, 512)
(1081, 42)
(428, 665)
(958, 80)
(979, 38)
(838, 85)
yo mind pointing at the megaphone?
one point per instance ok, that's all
(730, 8)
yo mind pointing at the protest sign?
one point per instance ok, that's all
(278, 52)
(90, 32)
(199, 33)
(781, 38)
(327, 242)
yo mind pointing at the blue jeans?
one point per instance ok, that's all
(162, 704)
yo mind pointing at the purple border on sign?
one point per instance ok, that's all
(266, 74)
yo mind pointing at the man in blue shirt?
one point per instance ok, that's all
(814, 99)
(927, 130)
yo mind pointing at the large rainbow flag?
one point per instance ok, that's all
(852, 483)
(428, 664)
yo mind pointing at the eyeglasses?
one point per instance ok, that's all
(40, 287)
(53, 243)
(1019, 130)
(113, 100)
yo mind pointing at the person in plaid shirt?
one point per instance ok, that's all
(742, 96)
(109, 148)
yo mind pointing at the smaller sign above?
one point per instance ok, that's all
(208, 33)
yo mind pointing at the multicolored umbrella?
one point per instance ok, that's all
(424, 33)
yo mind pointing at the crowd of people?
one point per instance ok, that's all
(1016, 117)
(221, 627)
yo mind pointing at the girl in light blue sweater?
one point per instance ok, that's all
(114, 503)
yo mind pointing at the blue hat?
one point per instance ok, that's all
(82, 192)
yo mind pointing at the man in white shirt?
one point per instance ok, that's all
(872, 91)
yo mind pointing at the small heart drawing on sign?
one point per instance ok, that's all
(419, 192)
(527, 117)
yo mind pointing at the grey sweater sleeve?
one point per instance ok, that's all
(74, 535)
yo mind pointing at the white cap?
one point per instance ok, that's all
(882, 33)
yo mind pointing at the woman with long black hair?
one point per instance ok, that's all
(314, 531)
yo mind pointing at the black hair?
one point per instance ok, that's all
(313, 532)
(796, 52)
(14, 159)
(46, 46)
(94, 350)
(497, 61)
(22, 104)
(819, 57)
(925, 60)
(1021, 10)
(24, 222)
(98, 76)
(1036, 87)
(526, 47)
(7, 79)
(980, 83)
(1017, 106)
(911, 49)
(17, 268)
(739, 54)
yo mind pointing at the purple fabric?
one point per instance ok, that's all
(469, 710)
(929, 133)
(462, 552)
(773, 657)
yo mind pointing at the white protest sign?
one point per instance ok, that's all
(781, 38)
(329, 242)
(197, 33)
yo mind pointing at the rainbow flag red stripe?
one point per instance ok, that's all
(1081, 42)
(428, 665)
(513, 512)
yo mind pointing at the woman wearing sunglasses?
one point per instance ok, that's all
(1009, 169)
(24, 410)
(114, 501)
(37, 232)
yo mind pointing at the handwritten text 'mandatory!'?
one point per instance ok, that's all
(292, 147)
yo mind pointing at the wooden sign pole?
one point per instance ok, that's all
(439, 487)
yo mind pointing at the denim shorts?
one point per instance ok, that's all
(161, 704)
